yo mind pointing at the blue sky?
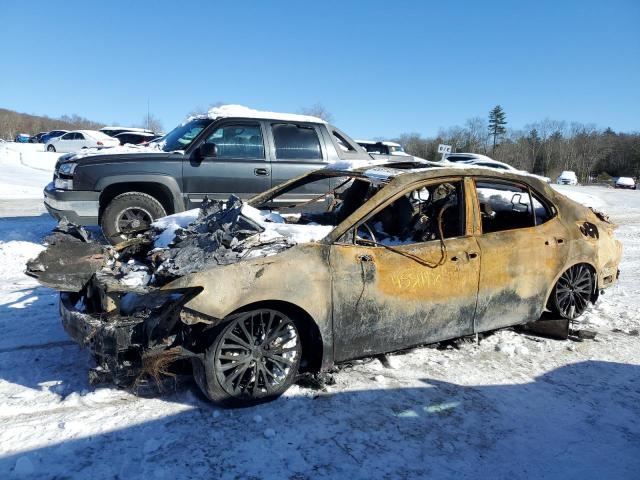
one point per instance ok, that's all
(381, 67)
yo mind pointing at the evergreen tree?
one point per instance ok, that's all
(497, 122)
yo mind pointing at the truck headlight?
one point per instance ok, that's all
(67, 168)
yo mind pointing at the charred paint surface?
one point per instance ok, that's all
(363, 299)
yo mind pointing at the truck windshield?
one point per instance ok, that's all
(181, 137)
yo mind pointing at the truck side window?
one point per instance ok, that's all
(296, 142)
(238, 141)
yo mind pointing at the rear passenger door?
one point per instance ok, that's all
(297, 148)
(523, 248)
(240, 166)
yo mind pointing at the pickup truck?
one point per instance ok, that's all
(230, 150)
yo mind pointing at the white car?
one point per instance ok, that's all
(625, 182)
(383, 148)
(567, 177)
(78, 139)
(484, 161)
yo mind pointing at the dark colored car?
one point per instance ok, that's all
(205, 157)
(37, 138)
(135, 138)
(52, 134)
(114, 131)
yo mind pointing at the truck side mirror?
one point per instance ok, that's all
(208, 150)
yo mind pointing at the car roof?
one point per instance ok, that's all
(128, 129)
(142, 134)
(373, 142)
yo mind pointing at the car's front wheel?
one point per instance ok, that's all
(51, 148)
(128, 214)
(253, 358)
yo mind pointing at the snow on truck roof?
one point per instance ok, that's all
(240, 111)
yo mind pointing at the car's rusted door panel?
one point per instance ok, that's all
(383, 301)
(517, 269)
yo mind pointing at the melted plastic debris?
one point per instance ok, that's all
(220, 236)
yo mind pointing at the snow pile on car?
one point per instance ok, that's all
(218, 233)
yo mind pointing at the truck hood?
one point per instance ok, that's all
(124, 153)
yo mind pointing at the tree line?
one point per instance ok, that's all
(12, 123)
(546, 147)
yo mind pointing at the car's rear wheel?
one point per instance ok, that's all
(253, 359)
(51, 148)
(573, 291)
(128, 214)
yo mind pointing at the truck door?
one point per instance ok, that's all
(297, 149)
(240, 166)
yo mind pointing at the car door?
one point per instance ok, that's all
(523, 248)
(65, 142)
(240, 166)
(388, 297)
(297, 148)
(81, 141)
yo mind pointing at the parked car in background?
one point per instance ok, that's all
(484, 161)
(22, 138)
(51, 135)
(79, 139)
(113, 131)
(625, 182)
(37, 138)
(135, 138)
(382, 148)
(567, 177)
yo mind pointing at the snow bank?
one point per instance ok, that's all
(577, 194)
(26, 169)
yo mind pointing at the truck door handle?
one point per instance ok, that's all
(261, 172)
(365, 258)
(473, 254)
(559, 240)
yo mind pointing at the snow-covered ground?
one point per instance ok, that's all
(514, 406)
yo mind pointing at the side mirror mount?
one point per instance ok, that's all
(207, 150)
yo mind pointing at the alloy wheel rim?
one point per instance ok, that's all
(574, 291)
(133, 219)
(257, 354)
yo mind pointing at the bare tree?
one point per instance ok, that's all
(317, 110)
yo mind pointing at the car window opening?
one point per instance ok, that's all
(339, 197)
(507, 206)
(429, 213)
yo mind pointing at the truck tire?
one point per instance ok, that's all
(128, 214)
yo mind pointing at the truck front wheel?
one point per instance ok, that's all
(128, 214)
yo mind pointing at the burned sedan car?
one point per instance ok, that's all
(247, 295)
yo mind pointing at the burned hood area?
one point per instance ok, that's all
(112, 300)
(220, 235)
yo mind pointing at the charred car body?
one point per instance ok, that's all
(388, 258)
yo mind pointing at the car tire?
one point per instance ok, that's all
(573, 291)
(268, 346)
(128, 214)
(51, 148)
